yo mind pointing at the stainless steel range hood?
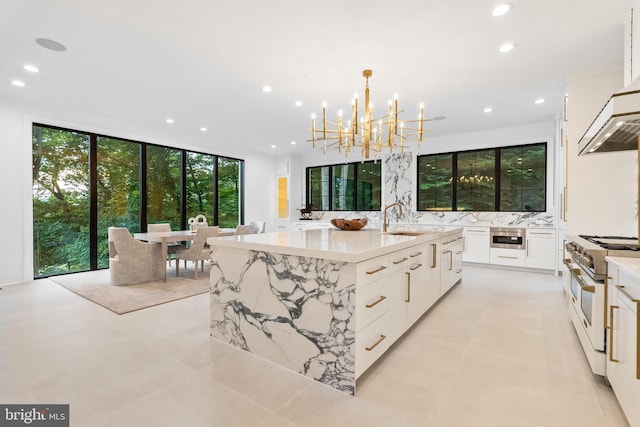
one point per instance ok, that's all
(617, 126)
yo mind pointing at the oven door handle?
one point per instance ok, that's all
(573, 270)
(585, 287)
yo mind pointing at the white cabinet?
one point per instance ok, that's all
(309, 225)
(541, 249)
(476, 244)
(393, 291)
(511, 257)
(623, 351)
(450, 262)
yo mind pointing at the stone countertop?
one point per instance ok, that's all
(333, 244)
(630, 265)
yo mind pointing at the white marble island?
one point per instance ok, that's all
(326, 303)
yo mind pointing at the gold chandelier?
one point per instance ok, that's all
(369, 134)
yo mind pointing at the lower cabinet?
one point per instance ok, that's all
(512, 257)
(623, 351)
(476, 245)
(541, 249)
(393, 291)
(450, 262)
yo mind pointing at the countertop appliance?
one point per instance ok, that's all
(586, 288)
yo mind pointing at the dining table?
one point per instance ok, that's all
(166, 237)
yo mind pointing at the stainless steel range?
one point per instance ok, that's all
(586, 288)
(589, 252)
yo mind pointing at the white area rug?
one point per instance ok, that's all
(94, 286)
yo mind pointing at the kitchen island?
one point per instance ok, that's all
(327, 303)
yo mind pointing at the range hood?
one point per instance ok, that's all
(617, 126)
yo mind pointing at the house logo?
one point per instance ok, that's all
(34, 415)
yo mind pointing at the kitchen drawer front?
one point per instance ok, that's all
(398, 260)
(502, 256)
(371, 343)
(372, 269)
(372, 301)
(422, 254)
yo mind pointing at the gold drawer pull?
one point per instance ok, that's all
(376, 302)
(611, 359)
(382, 267)
(375, 344)
(415, 254)
(415, 267)
(401, 260)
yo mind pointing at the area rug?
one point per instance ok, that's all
(94, 286)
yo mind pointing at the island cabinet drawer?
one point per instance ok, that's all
(372, 269)
(372, 301)
(423, 254)
(371, 343)
(398, 260)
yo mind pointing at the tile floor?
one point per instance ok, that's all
(498, 350)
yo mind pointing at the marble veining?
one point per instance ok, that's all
(295, 311)
(398, 182)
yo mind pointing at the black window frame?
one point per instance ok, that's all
(497, 173)
(355, 184)
(93, 198)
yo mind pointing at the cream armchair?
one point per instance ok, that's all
(131, 261)
(198, 251)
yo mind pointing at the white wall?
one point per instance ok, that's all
(602, 187)
(16, 255)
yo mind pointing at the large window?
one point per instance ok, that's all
(84, 183)
(345, 187)
(507, 179)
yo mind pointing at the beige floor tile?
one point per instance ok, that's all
(497, 350)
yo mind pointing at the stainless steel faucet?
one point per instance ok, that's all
(384, 219)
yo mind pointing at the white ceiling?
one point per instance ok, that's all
(203, 63)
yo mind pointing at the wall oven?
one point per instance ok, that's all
(507, 238)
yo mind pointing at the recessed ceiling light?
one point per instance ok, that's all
(507, 47)
(273, 146)
(488, 110)
(539, 101)
(203, 129)
(293, 143)
(266, 89)
(51, 44)
(18, 83)
(170, 121)
(31, 68)
(501, 9)
(298, 103)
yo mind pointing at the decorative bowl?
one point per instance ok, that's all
(349, 224)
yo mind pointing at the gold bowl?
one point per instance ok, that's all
(349, 224)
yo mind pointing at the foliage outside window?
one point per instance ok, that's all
(84, 183)
(345, 187)
(508, 179)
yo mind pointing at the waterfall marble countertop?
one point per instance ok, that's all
(334, 244)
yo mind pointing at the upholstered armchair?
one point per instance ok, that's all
(131, 261)
(198, 251)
